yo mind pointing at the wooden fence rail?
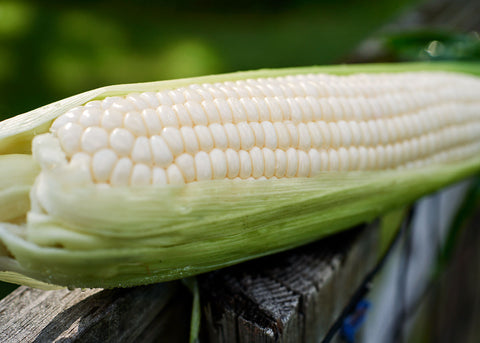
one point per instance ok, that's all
(140, 314)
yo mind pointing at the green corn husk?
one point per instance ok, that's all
(79, 235)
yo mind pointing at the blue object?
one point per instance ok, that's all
(352, 322)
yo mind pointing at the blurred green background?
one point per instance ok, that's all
(51, 50)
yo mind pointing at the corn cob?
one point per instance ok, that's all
(294, 126)
(338, 131)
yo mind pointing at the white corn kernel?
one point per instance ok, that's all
(203, 166)
(122, 105)
(141, 152)
(295, 112)
(245, 164)
(121, 172)
(141, 175)
(280, 163)
(263, 110)
(190, 140)
(90, 117)
(316, 136)
(167, 116)
(174, 140)
(197, 113)
(112, 119)
(258, 133)
(343, 159)
(219, 136)
(238, 110)
(162, 156)
(353, 158)
(137, 101)
(324, 160)
(258, 163)
(304, 139)
(269, 162)
(70, 117)
(186, 164)
(226, 115)
(93, 139)
(293, 132)
(204, 138)
(334, 134)
(159, 176)
(247, 138)
(271, 139)
(121, 140)
(233, 163)
(303, 164)
(345, 133)
(251, 110)
(213, 116)
(315, 162)
(233, 136)
(276, 113)
(81, 162)
(292, 162)
(164, 99)
(181, 116)
(176, 96)
(282, 134)
(69, 136)
(151, 99)
(152, 122)
(219, 164)
(174, 175)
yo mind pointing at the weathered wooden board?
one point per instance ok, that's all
(120, 315)
(289, 297)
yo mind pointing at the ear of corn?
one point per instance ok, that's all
(290, 156)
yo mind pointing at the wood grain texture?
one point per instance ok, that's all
(290, 297)
(95, 315)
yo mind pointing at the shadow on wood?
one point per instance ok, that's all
(289, 297)
(120, 315)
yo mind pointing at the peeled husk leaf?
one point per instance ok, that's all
(79, 235)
